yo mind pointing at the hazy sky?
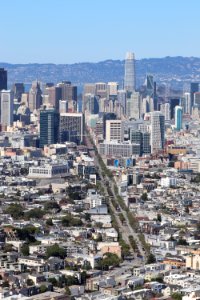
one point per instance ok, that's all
(68, 31)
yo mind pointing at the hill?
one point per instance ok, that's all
(174, 70)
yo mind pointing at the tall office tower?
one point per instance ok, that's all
(63, 106)
(71, 127)
(107, 116)
(69, 91)
(114, 130)
(157, 131)
(155, 96)
(112, 88)
(49, 127)
(90, 103)
(178, 117)
(24, 99)
(187, 103)
(194, 87)
(35, 96)
(89, 88)
(101, 89)
(173, 103)
(18, 89)
(146, 139)
(121, 98)
(142, 139)
(150, 85)
(3, 79)
(165, 110)
(196, 99)
(129, 77)
(7, 98)
(50, 92)
(133, 106)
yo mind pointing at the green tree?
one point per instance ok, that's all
(49, 222)
(159, 218)
(53, 281)
(15, 210)
(56, 251)
(176, 296)
(35, 213)
(48, 206)
(25, 250)
(8, 248)
(144, 197)
(43, 288)
(151, 259)
(27, 233)
(67, 291)
(29, 282)
(109, 259)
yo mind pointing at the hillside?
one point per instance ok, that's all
(176, 70)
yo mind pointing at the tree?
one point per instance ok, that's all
(27, 233)
(25, 250)
(49, 222)
(48, 206)
(43, 288)
(35, 213)
(69, 220)
(176, 296)
(67, 291)
(53, 281)
(8, 247)
(159, 218)
(29, 282)
(144, 197)
(151, 259)
(56, 251)
(15, 210)
(109, 259)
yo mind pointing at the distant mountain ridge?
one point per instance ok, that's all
(178, 71)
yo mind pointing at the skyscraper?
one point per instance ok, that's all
(194, 87)
(150, 85)
(178, 117)
(7, 98)
(133, 106)
(129, 77)
(71, 127)
(165, 110)
(49, 127)
(157, 131)
(187, 97)
(35, 96)
(18, 89)
(3, 79)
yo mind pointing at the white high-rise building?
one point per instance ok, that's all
(113, 130)
(187, 97)
(133, 106)
(129, 77)
(7, 98)
(157, 131)
(112, 88)
(165, 110)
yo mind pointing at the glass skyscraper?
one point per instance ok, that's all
(178, 117)
(49, 127)
(129, 77)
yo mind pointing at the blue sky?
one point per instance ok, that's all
(69, 31)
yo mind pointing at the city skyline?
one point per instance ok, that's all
(81, 31)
